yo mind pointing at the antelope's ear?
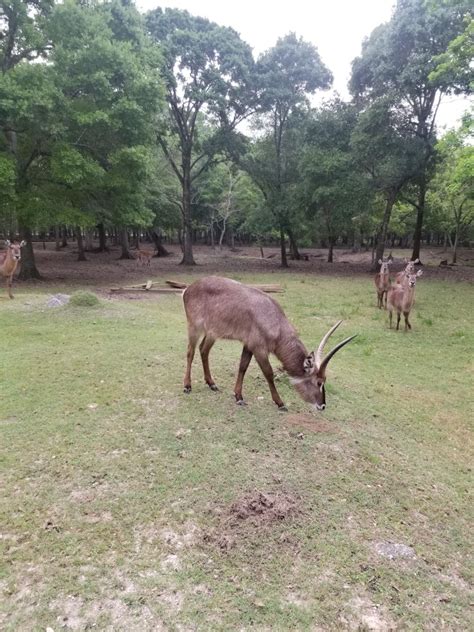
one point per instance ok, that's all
(380, 262)
(416, 261)
(419, 273)
(22, 243)
(309, 364)
(7, 242)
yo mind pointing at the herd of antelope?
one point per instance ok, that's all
(400, 295)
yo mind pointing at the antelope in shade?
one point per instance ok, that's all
(401, 277)
(144, 257)
(9, 261)
(382, 282)
(221, 308)
(402, 297)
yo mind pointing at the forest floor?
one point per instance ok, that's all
(128, 505)
(102, 270)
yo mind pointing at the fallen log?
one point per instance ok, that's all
(266, 287)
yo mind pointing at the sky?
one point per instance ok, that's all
(336, 27)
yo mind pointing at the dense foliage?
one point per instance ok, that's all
(113, 122)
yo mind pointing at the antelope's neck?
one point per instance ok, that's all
(292, 353)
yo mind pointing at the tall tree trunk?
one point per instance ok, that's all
(57, 235)
(80, 245)
(284, 260)
(28, 263)
(102, 238)
(331, 250)
(382, 231)
(157, 240)
(124, 242)
(64, 241)
(188, 258)
(419, 221)
(293, 246)
(455, 245)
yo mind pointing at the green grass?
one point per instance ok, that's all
(117, 486)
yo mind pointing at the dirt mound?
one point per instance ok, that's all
(265, 507)
(252, 513)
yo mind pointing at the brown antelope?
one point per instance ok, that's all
(221, 308)
(144, 257)
(401, 277)
(382, 282)
(9, 261)
(401, 298)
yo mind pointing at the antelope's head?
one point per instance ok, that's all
(14, 249)
(384, 266)
(311, 386)
(411, 277)
(410, 266)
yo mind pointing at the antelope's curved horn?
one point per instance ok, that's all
(319, 352)
(325, 362)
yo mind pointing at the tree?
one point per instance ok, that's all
(396, 63)
(452, 188)
(386, 150)
(333, 189)
(288, 73)
(208, 71)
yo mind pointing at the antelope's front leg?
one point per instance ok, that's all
(243, 366)
(9, 285)
(266, 367)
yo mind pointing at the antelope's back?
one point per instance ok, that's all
(225, 308)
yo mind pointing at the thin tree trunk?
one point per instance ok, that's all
(419, 222)
(28, 263)
(382, 231)
(64, 241)
(293, 246)
(124, 242)
(102, 238)
(57, 235)
(80, 245)
(330, 250)
(284, 260)
(188, 258)
(157, 240)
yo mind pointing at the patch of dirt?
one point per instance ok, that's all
(362, 614)
(253, 512)
(310, 423)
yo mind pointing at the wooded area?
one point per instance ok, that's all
(161, 126)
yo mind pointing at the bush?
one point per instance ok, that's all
(84, 299)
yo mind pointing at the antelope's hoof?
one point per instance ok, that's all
(214, 387)
(187, 390)
(282, 408)
(240, 402)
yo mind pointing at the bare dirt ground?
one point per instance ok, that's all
(104, 270)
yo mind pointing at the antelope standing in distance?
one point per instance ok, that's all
(401, 277)
(217, 307)
(144, 257)
(382, 282)
(9, 261)
(402, 297)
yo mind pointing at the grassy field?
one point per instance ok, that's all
(128, 505)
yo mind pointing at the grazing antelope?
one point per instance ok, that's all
(382, 282)
(221, 308)
(401, 298)
(144, 257)
(401, 277)
(9, 261)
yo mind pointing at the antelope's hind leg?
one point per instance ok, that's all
(204, 348)
(243, 366)
(192, 342)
